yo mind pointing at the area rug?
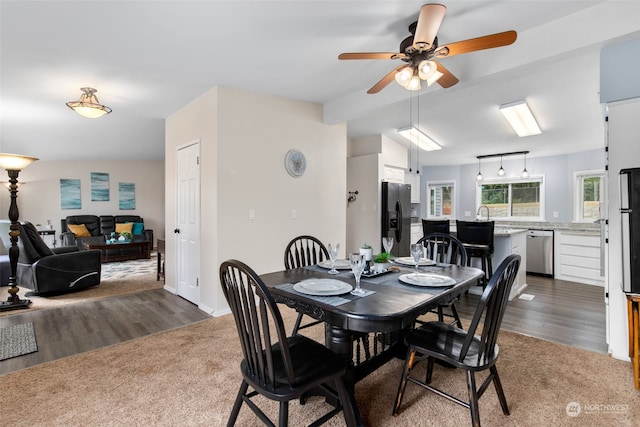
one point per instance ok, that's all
(16, 340)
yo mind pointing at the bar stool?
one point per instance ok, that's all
(430, 226)
(477, 239)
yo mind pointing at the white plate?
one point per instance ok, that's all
(409, 261)
(341, 264)
(322, 287)
(427, 279)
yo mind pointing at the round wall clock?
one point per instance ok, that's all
(295, 163)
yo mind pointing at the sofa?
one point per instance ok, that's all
(77, 229)
(48, 271)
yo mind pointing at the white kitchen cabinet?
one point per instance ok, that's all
(577, 257)
(414, 180)
(416, 231)
(392, 174)
(507, 242)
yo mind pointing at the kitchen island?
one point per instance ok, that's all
(509, 241)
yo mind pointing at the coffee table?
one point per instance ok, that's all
(121, 251)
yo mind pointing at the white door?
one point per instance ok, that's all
(188, 223)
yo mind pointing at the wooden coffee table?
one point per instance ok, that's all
(121, 251)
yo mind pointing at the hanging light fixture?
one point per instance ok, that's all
(88, 104)
(525, 172)
(411, 76)
(501, 170)
(479, 176)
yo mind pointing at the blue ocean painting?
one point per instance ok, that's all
(127, 195)
(99, 187)
(70, 194)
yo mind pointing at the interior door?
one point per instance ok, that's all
(188, 223)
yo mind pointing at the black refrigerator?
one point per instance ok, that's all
(630, 217)
(396, 216)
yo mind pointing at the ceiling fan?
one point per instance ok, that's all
(421, 47)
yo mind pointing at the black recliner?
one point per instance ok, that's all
(53, 271)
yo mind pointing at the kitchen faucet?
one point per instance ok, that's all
(480, 209)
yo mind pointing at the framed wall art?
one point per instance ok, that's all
(70, 194)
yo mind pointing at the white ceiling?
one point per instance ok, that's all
(149, 58)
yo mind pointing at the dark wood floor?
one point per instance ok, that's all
(565, 312)
(76, 328)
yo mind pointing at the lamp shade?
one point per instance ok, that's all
(88, 104)
(15, 161)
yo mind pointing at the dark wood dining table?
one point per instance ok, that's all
(375, 322)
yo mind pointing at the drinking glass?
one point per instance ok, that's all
(333, 255)
(387, 242)
(416, 252)
(357, 266)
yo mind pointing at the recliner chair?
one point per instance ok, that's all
(52, 271)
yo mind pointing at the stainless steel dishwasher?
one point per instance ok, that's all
(540, 252)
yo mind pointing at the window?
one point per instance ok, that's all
(513, 199)
(589, 195)
(440, 196)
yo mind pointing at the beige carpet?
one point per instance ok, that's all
(121, 278)
(189, 376)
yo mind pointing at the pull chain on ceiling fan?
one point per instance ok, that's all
(421, 47)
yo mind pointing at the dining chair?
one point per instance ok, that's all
(472, 351)
(277, 367)
(430, 226)
(445, 248)
(303, 251)
(477, 238)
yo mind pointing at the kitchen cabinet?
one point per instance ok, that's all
(577, 257)
(414, 180)
(507, 241)
(392, 174)
(416, 232)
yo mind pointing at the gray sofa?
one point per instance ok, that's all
(99, 227)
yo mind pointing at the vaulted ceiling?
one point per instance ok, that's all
(150, 58)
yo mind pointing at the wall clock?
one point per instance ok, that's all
(295, 163)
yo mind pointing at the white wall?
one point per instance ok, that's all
(39, 191)
(244, 138)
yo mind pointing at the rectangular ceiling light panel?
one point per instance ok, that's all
(414, 135)
(520, 118)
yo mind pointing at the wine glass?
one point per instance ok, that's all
(333, 255)
(387, 242)
(416, 252)
(357, 266)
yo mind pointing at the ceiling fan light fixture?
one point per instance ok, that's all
(88, 104)
(423, 141)
(521, 119)
(428, 71)
(414, 83)
(403, 77)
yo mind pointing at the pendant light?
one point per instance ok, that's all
(479, 176)
(525, 172)
(501, 170)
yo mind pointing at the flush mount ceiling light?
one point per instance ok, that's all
(88, 104)
(520, 118)
(423, 141)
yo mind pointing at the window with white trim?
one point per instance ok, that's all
(513, 199)
(588, 195)
(440, 195)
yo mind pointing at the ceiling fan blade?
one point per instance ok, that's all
(479, 43)
(431, 16)
(372, 55)
(385, 80)
(447, 79)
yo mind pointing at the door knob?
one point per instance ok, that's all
(177, 231)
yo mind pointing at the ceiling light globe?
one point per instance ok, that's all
(479, 177)
(525, 173)
(426, 69)
(501, 171)
(404, 76)
(414, 84)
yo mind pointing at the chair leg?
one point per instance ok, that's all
(346, 402)
(454, 310)
(237, 404)
(296, 326)
(408, 364)
(440, 314)
(429, 375)
(499, 390)
(283, 421)
(473, 399)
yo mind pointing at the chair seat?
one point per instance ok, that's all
(447, 341)
(306, 356)
(477, 250)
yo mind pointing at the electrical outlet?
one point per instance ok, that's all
(556, 214)
(294, 214)
(467, 213)
(252, 214)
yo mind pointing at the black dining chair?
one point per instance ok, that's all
(477, 238)
(430, 226)
(446, 249)
(473, 351)
(303, 251)
(277, 367)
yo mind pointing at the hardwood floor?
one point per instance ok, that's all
(76, 328)
(564, 312)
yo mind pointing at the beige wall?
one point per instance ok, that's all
(244, 138)
(39, 196)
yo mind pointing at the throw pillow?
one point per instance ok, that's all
(137, 229)
(79, 230)
(122, 227)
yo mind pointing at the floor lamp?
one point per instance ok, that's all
(13, 164)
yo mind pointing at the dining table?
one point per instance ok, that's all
(368, 330)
